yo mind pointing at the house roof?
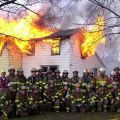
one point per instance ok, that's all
(63, 34)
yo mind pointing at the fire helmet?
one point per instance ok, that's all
(11, 69)
(116, 68)
(65, 72)
(102, 69)
(113, 73)
(20, 70)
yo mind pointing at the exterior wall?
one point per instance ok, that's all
(11, 56)
(4, 60)
(43, 57)
(80, 64)
(15, 57)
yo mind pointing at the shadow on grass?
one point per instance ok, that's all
(73, 116)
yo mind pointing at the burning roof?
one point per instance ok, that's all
(22, 31)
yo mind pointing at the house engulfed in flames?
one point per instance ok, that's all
(27, 46)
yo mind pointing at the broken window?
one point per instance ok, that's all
(55, 49)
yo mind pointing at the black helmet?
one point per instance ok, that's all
(116, 68)
(57, 71)
(11, 69)
(40, 70)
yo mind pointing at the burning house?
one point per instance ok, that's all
(29, 46)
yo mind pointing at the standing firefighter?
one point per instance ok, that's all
(3, 81)
(33, 78)
(40, 75)
(86, 77)
(21, 77)
(58, 79)
(12, 78)
(75, 79)
(102, 78)
(117, 74)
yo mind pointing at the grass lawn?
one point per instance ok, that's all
(73, 116)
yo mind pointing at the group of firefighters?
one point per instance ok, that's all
(21, 96)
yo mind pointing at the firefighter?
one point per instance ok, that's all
(21, 77)
(12, 78)
(56, 101)
(7, 102)
(117, 74)
(3, 105)
(3, 81)
(21, 102)
(49, 77)
(79, 102)
(58, 79)
(102, 78)
(65, 78)
(33, 101)
(33, 78)
(112, 77)
(40, 75)
(50, 95)
(65, 100)
(86, 77)
(75, 79)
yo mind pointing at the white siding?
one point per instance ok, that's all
(80, 64)
(4, 60)
(11, 56)
(43, 57)
(15, 57)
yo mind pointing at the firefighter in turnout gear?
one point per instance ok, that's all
(33, 78)
(12, 78)
(78, 101)
(21, 77)
(86, 77)
(3, 80)
(21, 102)
(102, 78)
(75, 79)
(66, 96)
(58, 79)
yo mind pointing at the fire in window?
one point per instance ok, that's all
(55, 49)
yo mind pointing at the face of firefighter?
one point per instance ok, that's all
(85, 74)
(65, 75)
(40, 73)
(117, 71)
(49, 75)
(33, 73)
(3, 74)
(77, 89)
(65, 87)
(57, 74)
(12, 72)
(75, 74)
(35, 91)
(11, 88)
(20, 73)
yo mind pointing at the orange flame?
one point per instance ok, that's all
(21, 31)
(93, 37)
